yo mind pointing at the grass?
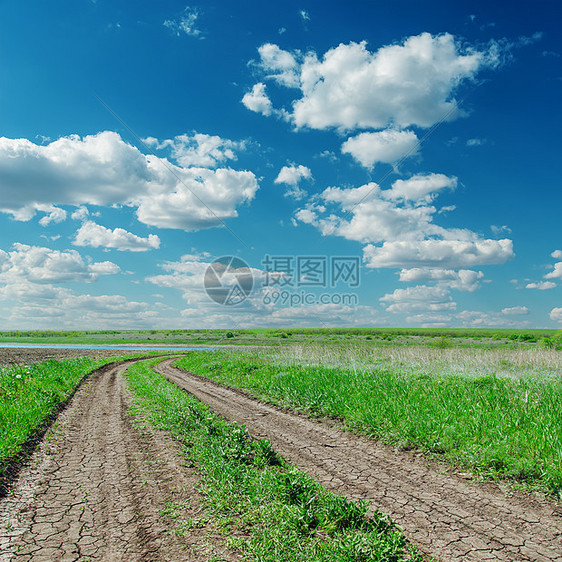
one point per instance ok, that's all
(29, 394)
(493, 424)
(271, 510)
(275, 337)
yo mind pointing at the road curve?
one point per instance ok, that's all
(96, 488)
(448, 517)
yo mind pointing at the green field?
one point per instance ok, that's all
(270, 337)
(496, 412)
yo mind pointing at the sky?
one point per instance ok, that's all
(280, 164)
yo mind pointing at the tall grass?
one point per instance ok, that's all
(430, 359)
(497, 425)
(276, 511)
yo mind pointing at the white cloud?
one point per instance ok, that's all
(80, 214)
(399, 85)
(438, 253)
(34, 264)
(304, 15)
(541, 285)
(104, 304)
(199, 149)
(102, 169)
(428, 320)
(282, 65)
(478, 319)
(185, 24)
(54, 214)
(462, 280)
(257, 100)
(556, 273)
(188, 276)
(557, 254)
(421, 298)
(515, 311)
(202, 199)
(397, 225)
(556, 314)
(95, 235)
(36, 306)
(421, 187)
(291, 176)
(387, 146)
(475, 142)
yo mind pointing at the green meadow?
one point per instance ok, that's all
(494, 411)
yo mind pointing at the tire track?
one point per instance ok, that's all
(98, 487)
(445, 515)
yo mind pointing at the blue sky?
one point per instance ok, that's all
(416, 142)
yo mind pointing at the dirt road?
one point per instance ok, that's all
(98, 485)
(449, 517)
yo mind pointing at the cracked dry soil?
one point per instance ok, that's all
(447, 516)
(97, 486)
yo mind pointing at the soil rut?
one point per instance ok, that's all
(447, 516)
(96, 488)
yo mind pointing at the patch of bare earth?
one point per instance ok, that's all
(106, 486)
(25, 356)
(447, 516)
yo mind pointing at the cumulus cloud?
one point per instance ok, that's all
(421, 187)
(556, 314)
(80, 214)
(349, 87)
(438, 253)
(461, 280)
(291, 176)
(95, 235)
(421, 298)
(515, 311)
(199, 149)
(557, 254)
(202, 199)
(102, 169)
(556, 273)
(257, 100)
(37, 305)
(397, 224)
(33, 293)
(34, 264)
(53, 214)
(387, 146)
(541, 285)
(281, 66)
